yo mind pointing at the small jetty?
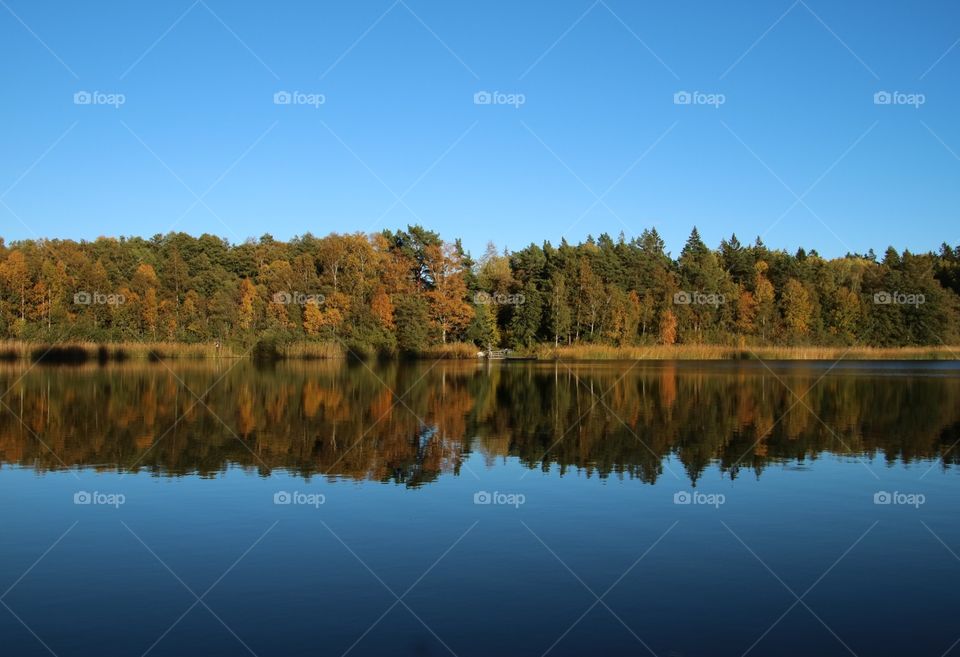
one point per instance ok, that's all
(502, 354)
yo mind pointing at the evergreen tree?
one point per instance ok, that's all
(525, 324)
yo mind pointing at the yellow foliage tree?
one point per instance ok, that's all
(746, 312)
(248, 298)
(668, 327)
(448, 307)
(382, 308)
(797, 308)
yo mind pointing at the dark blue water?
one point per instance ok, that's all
(557, 564)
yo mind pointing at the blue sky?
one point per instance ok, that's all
(797, 151)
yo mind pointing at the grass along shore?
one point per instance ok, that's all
(82, 352)
(720, 352)
(78, 352)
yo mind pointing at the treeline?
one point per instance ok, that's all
(408, 290)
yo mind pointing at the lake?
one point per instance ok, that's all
(451, 508)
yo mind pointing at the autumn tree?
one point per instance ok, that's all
(668, 328)
(763, 295)
(449, 309)
(796, 308)
(312, 319)
(382, 308)
(746, 312)
(248, 304)
(16, 277)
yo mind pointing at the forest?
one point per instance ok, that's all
(406, 291)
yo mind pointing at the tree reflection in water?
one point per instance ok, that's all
(410, 422)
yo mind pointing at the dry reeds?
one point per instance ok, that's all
(720, 352)
(81, 352)
(451, 351)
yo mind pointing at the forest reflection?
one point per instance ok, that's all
(410, 423)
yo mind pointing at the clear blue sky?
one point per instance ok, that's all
(399, 118)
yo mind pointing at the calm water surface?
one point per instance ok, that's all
(667, 509)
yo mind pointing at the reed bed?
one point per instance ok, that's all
(12, 351)
(81, 352)
(451, 351)
(312, 351)
(337, 350)
(721, 352)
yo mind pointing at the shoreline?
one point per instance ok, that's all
(84, 352)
